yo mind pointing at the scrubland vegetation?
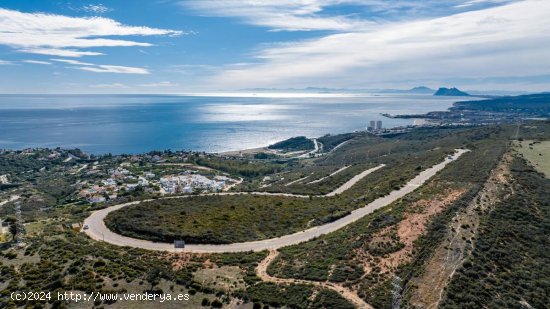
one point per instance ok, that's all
(509, 264)
(508, 267)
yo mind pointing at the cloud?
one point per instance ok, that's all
(160, 84)
(66, 36)
(306, 15)
(59, 52)
(480, 2)
(289, 15)
(101, 68)
(499, 41)
(96, 8)
(36, 62)
(4, 62)
(113, 69)
(71, 61)
(109, 86)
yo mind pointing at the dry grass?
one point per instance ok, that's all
(537, 153)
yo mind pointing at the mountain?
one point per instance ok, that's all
(415, 90)
(450, 92)
(421, 89)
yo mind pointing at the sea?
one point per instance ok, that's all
(131, 124)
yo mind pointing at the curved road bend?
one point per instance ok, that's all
(98, 231)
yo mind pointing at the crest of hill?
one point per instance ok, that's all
(294, 144)
(450, 92)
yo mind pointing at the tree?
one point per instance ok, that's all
(12, 226)
(153, 276)
(13, 230)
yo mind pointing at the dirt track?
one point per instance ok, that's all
(261, 271)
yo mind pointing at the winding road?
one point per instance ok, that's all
(97, 229)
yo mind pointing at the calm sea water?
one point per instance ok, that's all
(135, 124)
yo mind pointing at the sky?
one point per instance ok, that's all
(190, 46)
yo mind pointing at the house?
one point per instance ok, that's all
(97, 199)
(109, 182)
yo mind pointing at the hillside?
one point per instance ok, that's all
(450, 92)
(294, 144)
(536, 105)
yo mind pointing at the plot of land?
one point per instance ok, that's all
(223, 219)
(538, 154)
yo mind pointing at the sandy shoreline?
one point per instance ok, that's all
(249, 151)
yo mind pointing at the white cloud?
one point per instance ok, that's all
(96, 8)
(109, 86)
(71, 61)
(289, 15)
(101, 68)
(4, 62)
(305, 15)
(113, 69)
(501, 41)
(160, 84)
(59, 52)
(478, 2)
(65, 36)
(36, 62)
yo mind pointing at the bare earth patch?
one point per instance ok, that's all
(408, 231)
(348, 294)
(428, 289)
(226, 278)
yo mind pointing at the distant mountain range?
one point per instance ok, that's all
(415, 90)
(450, 92)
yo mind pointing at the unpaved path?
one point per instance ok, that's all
(314, 151)
(331, 174)
(189, 165)
(11, 199)
(348, 294)
(340, 145)
(96, 228)
(458, 244)
(354, 180)
(238, 182)
(295, 181)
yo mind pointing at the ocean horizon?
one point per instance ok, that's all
(132, 124)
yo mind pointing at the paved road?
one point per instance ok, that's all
(98, 231)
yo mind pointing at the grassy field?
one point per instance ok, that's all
(537, 153)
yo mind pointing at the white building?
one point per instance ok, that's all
(189, 182)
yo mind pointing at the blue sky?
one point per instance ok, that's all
(183, 46)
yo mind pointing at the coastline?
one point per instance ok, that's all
(249, 151)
